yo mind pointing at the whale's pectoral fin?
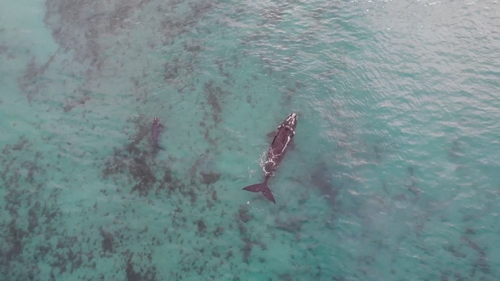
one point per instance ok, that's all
(272, 134)
(291, 145)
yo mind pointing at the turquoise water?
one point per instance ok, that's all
(395, 173)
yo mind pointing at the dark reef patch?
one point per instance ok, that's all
(209, 178)
(28, 83)
(171, 70)
(242, 218)
(137, 164)
(378, 154)
(222, 72)
(243, 214)
(192, 195)
(148, 274)
(201, 227)
(107, 241)
(482, 262)
(246, 249)
(285, 277)
(73, 102)
(34, 231)
(192, 46)
(411, 183)
(202, 169)
(321, 179)
(14, 239)
(287, 95)
(218, 231)
(293, 225)
(81, 25)
(141, 173)
(167, 180)
(19, 145)
(214, 95)
(455, 151)
(33, 217)
(88, 28)
(42, 227)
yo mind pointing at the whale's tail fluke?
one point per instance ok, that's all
(261, 187)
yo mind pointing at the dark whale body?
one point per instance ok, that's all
(156, 128)
(283, 137)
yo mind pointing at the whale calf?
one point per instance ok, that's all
(283, 137)
(156, 128)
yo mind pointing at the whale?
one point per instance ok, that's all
(283, 138)
(156, 128)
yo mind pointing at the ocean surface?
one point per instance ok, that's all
(395, 173)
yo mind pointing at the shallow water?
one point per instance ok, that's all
(394, 175)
